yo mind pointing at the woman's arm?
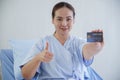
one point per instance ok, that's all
(30, 68)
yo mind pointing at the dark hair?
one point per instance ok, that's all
(61, 5)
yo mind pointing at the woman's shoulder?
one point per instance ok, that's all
(42, 40)
(45, 39)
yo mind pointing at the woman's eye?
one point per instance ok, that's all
(59, 19)
(68, 19)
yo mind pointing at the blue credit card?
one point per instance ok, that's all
(94, 36)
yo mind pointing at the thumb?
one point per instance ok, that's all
(47, 45)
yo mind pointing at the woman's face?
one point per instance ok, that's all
(63, 21)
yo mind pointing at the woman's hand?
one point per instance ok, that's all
(45, 55)
(92, 48)
(95, 47)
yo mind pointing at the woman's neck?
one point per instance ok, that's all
(61, 38)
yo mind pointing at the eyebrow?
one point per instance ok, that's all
(62, 17)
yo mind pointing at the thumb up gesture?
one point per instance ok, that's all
(45, 55)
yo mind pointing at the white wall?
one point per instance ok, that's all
(31, 19)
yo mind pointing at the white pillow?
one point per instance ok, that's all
(20, 50)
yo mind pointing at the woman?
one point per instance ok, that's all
(60, 56)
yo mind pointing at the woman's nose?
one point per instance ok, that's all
(64, 22)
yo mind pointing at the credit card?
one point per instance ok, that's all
(94, 36)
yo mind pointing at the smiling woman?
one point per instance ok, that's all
(31, 19)
(61, 56)
(63, 19)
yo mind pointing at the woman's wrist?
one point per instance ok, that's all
(38, 59)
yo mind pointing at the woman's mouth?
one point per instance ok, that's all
(64, 28)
